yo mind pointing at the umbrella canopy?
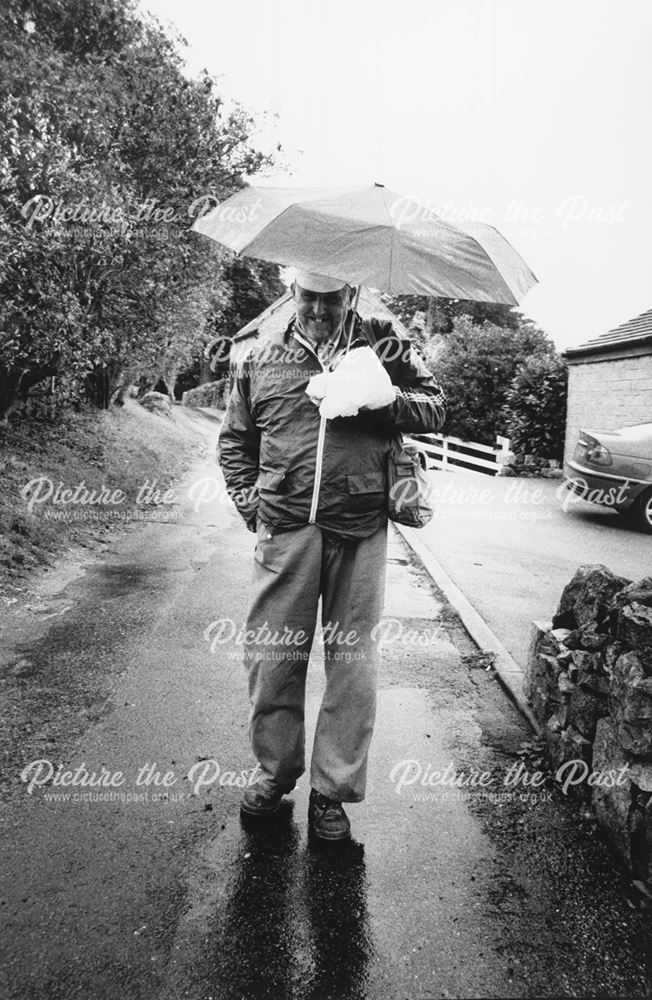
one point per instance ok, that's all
(370, 236)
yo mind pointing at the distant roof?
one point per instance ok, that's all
(278, 315)
(637, 331)
(262, 319)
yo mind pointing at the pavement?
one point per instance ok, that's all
(462, 878)
(510, 674)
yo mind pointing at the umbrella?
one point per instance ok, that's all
(370, 236)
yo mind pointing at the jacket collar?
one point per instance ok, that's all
(358, 337)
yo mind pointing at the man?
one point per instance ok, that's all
(314, 489)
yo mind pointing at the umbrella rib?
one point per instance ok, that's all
(391, 260)
(490, 258)
(456, 230)
(271, 222)
(391, 240)
(483, 250)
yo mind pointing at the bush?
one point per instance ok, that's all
(476, 366)
(213, 394)
(535, 407)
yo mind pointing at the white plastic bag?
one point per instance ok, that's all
(358, 381)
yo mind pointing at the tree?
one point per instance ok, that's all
(244, 288)
(108, 152)
(442, 313)
(476, 366)
(251, 286)
(535, 407)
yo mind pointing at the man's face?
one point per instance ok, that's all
(321, 314)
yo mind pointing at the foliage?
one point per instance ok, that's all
(244, 289)
(501, 374)
(212, 394)
(250, 286)
(107, 154)
(431, 316)
(476, 366)
(535, 407)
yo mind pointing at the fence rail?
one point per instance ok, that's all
(444, 452)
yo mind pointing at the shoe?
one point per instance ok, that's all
(326, 818)
(260, 800)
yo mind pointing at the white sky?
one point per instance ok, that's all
(534, 116)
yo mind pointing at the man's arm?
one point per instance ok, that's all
(238, 449)
(420, 403)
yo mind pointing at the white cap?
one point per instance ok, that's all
(318, 282)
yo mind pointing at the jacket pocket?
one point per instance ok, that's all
(272, 480)
(366, 492)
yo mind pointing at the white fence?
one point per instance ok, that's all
(444, 452)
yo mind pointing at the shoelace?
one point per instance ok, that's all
(328, 805)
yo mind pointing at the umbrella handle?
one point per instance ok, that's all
(351, 321)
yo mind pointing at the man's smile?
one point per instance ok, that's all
(320, 328)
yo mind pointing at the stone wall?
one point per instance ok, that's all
(589, 682)
(531, 466)
(607, 394)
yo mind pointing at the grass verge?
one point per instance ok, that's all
(58, 482)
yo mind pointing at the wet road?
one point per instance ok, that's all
(512, 545)
(157, 890)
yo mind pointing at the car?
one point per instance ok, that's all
(614, 468)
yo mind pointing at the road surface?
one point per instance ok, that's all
(512, 545)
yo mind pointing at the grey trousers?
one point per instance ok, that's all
(292, 570)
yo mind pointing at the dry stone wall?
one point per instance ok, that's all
(589, 682)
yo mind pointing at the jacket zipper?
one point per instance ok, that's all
(320, 442)
(318, 470)
(322, 425)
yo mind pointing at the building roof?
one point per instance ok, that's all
(635, 332)
(262, 320)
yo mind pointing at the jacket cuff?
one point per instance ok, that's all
(393, 409)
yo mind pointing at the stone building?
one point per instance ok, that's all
(610, 380)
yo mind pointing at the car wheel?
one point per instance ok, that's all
(642, 511)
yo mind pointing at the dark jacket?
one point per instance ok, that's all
(285, 463)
